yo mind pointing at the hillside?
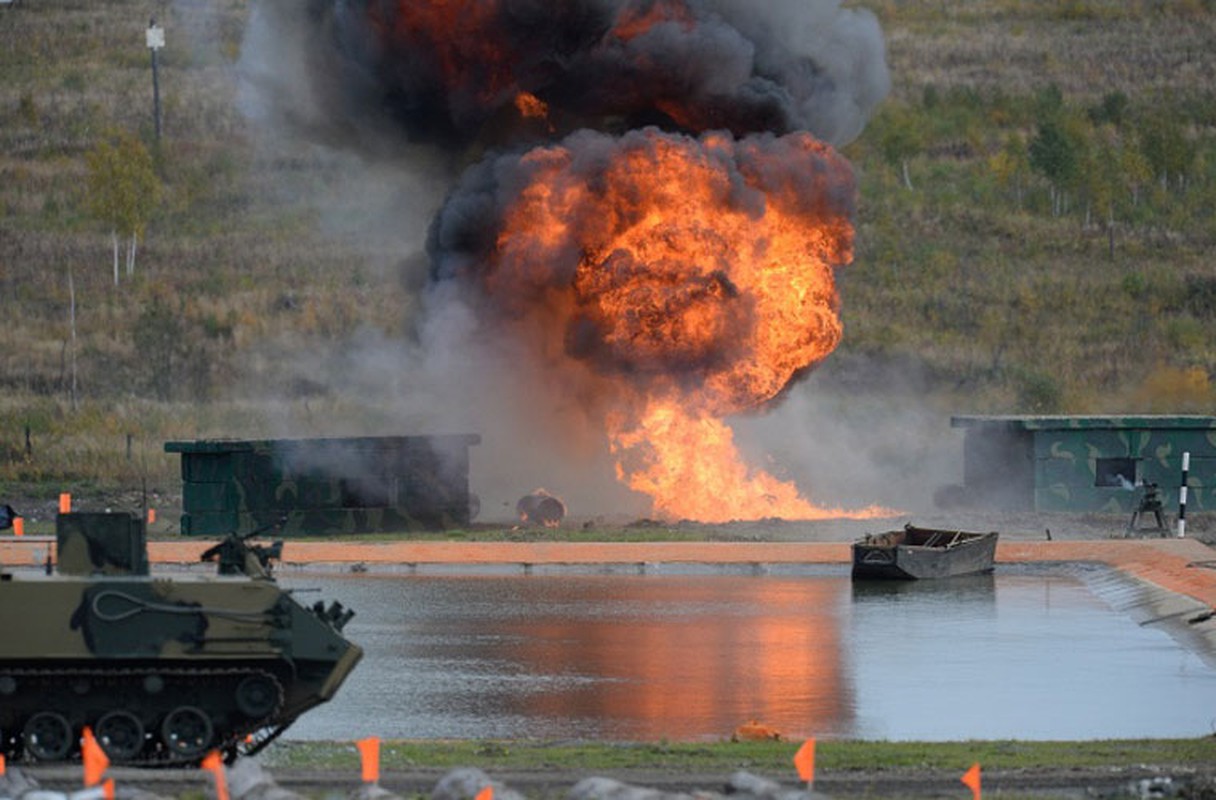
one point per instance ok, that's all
(1037, 210)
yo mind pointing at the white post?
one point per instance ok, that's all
(1186, 466)
(155, 38)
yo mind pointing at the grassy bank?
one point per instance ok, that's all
(770, 757)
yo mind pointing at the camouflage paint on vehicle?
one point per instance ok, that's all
(163, 669)
(1086, 464)
(91, 543)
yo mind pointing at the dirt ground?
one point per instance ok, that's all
(904, 783)
(1013, 526)
(1140, 781)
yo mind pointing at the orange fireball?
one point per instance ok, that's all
(696, 274)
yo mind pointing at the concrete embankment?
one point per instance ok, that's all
(1185, 567)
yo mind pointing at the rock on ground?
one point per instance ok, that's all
(465, 783)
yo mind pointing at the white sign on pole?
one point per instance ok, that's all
(156, 37)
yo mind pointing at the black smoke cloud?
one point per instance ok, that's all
(360, 71)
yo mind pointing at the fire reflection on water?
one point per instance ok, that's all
(700, 658)
(691, 657)
(622, 657)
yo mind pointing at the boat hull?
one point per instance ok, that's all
(894, 557)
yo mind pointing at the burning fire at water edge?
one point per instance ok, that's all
(658, 214)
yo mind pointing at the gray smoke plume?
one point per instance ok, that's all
(402, 92)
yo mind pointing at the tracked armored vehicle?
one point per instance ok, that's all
(163, 669)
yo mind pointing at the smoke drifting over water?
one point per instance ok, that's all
(648, 241)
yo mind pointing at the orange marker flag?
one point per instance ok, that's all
(487, 793)
(18, 530)
(971, 779)
(215, 765)
(804, 760)
(96, 762)
(369, 749)
(65, 502)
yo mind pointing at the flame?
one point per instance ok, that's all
(529, 105)
(635, 20)
(698, 274)
(690, 466)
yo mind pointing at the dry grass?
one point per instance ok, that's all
(994, 305)
(1086, 48)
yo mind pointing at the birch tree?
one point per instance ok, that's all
(900, 138)
(1011, 166)
(123, 189)
(1166, 147)
(1057, 155)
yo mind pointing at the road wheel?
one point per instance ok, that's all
(257, 696)
(187, 731)
(120, 734)
(48, 736)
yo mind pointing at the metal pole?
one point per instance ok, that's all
(1186, 466)
(155, 38)
(156, 93)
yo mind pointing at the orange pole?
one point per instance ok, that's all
(215, 765)
(804, 761)
(972, 780)
(369, 749)
(65, 503)
(95, 760)
(18, 530)
(151, 516)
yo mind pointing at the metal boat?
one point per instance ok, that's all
(921, 553)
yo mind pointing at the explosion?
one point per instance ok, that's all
(696, 273)
(679, 260)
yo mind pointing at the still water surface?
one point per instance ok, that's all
(1031, 654)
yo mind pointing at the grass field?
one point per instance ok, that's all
(980, 282)
(765, 755)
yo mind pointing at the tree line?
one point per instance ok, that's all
(1112, 162)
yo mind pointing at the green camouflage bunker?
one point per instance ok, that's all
(163, 670)
(1085, 464)
(327, 486)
